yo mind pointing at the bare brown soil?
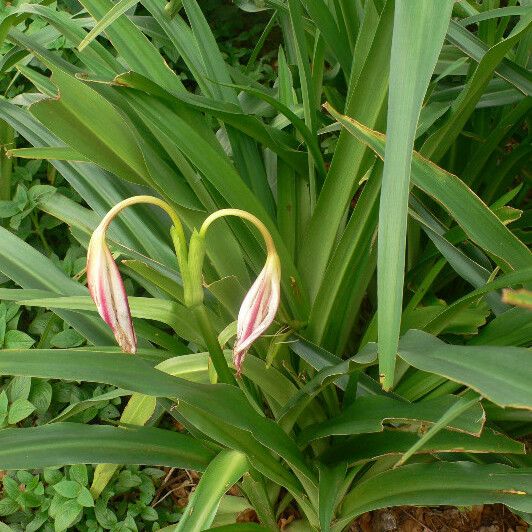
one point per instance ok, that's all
(485, 518)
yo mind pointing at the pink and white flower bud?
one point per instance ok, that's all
(107, 290)
(258, 308)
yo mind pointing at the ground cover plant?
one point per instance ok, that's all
(325, 252)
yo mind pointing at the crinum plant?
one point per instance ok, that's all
(393, 373)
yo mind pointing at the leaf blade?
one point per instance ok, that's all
(418, 34)
(73, 443)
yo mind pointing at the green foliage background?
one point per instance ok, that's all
(393, 364)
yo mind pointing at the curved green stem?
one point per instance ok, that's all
(108, 218)
(268, 240)
(178, 236)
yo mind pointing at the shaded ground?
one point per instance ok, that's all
(179, 484)
(486, 518)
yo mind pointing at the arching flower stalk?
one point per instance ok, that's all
(261, 303)
(256, 314)
(104, 280)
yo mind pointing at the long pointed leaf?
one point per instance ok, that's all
(472, 214)
(419, 31)
(222, 473)
(74, 443)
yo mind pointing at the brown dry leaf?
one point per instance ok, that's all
(235, 491)
(247, 516)
(285, 521)
(385, 521)
(480, 518)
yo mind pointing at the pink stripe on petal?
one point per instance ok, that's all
(107, 290)
(258, 309)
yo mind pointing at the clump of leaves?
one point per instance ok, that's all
(393, 254)
(56, 499)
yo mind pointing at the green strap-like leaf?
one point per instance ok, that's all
(502, 374)
(15, 258)
(50, 152)
(368, 87)
(138, 227)
(117, 10)
(463, 404)
(336, 40)
(170, 312)
(462, 107)
(75, 443)
(368, 414)
(331, 480)
(224, 471)
(494, 13)
(96, 129)
(418, 34)
(222, 402)
(443, 318)
(96, 57)
(520, 298)
(364, 448)
(476, 49)
(479, 223)
(134, 47)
